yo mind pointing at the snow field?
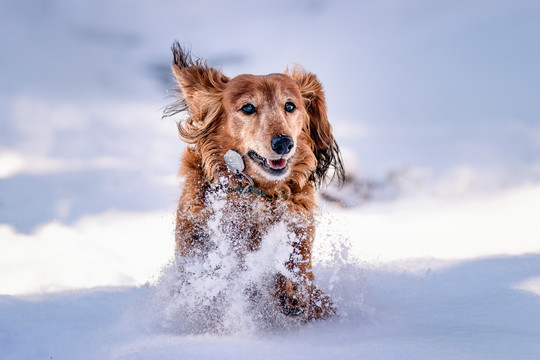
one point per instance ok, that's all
(441, 95)
(390, 307)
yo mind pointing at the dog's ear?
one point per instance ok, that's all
(318, 127)
(200, 89)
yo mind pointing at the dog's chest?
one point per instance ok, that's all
(245, 219)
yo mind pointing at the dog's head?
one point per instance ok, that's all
(277, 122)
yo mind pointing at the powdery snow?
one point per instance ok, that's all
(434, 105)
(476, 301)
(466, 311)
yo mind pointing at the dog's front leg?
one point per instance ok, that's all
(298, 295)
(192, 212)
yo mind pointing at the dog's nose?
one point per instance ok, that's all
(282, 144)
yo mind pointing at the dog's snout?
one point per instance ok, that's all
(282, 144)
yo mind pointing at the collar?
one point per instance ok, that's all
(241, 189)
(250, 189)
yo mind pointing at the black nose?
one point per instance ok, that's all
(282, 144)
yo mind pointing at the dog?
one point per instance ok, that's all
(264, 143)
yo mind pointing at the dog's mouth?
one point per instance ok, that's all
(273, 166)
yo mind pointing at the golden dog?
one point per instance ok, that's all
(266, 144)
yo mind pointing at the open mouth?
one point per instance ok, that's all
(273, 166)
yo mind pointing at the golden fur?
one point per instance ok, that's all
(217, 121)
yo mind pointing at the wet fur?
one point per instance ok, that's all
(214, 124)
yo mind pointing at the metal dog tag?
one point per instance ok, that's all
(234, 162)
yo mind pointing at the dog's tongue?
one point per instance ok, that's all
(277, 164)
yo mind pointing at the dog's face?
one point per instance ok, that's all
(277, 122)
(265, 117)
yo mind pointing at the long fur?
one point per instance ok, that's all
(214, 123)
(325, 148)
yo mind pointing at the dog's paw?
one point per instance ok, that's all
(291, 300)
(295, 299)
(321, 306)
(290, 305)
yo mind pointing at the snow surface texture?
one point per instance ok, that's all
(434, 105)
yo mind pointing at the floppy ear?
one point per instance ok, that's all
(325, 148)
(199, 91)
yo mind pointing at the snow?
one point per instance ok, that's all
(432, 103)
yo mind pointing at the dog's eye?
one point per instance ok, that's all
(289, 107)
(248, 109)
